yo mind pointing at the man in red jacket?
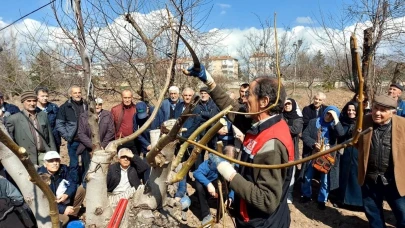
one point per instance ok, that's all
(123, 114)
(261, 194)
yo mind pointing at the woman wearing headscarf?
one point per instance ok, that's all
(295, 122)
(326, 128)
(349, 188)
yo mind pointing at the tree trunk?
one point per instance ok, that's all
(367, 61)
(355, 80)
(154, 195)
(98, 209)
(33, 195)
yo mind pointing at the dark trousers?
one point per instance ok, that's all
(373, 196)
(85, 166)
(203, 197)
(206, 199)
(146, 174)
(72, 148)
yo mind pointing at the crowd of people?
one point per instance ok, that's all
(359, 177)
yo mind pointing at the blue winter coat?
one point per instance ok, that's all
(69, 174)
(401, 108)
(52, 110)
(229, 138)
(206, 173)
(165, 108)
(309, 137)
(207, 111)
(192, 123)
(12, 109)
(144, 138)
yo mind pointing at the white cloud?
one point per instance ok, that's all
(304, 20)
(227, 41)
(224, 6)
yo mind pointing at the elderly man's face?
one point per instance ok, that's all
(125, 161)
(52, 165)
(380, 114)
(204, 96)
(252, 100)
(174, 96)
(76, 94)
(394, 92)
(99, 107)
(318, 101)
(187, 96)
(126, 98)
(30, 104)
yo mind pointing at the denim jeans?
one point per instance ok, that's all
(373, 196)
(182, 188)
(72, 148)
(306, 188)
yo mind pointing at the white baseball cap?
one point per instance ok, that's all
(51, 155)
(98, 100)
(125, 152)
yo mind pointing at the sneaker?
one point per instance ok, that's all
(184, 215)
(289, 201)
(321, 206)
(207, 219)
(305, 199)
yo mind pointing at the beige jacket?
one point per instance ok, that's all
(398, 153)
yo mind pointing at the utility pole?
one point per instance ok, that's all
(296, 49)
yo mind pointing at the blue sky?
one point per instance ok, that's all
(236, 22)
(242, 14)
(225, 13)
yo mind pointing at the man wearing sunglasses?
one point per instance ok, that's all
(126, 173)
(63, 181)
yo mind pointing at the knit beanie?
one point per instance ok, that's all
(27, 95)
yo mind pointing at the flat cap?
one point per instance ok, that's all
(204, 89)
(399, 86)
(385, 101)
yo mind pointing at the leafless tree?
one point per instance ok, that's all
(257, 52)
(383, 25)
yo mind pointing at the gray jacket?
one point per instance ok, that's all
(19, 129)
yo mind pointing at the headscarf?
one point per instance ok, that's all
(344, 117)
(293, 114)
(324, 126)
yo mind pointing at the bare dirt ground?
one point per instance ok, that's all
(302, 215)
(308, 215)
